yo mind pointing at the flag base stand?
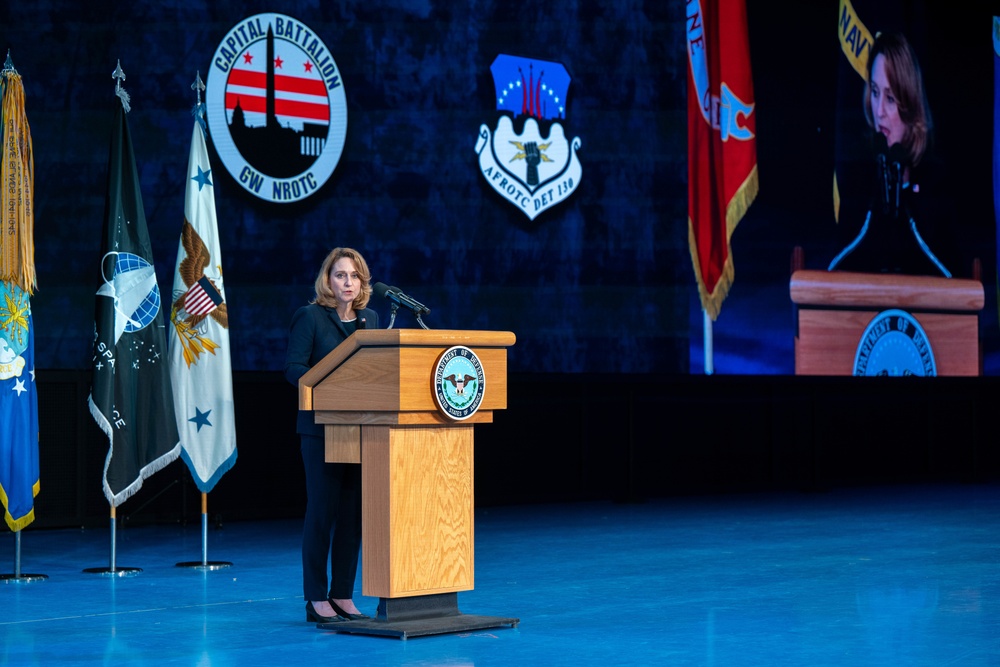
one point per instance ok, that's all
(419, 616)
(18, 577)
(112, 570)
(204, 564)
(207, 566)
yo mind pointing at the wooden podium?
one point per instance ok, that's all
(376, 395)
(834, 309)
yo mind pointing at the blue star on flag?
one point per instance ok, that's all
(201, 418)
(203, 178)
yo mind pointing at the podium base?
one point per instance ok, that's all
(419, 616)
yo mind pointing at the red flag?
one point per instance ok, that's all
(722, 140)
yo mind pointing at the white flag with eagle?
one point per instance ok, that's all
(200, 364)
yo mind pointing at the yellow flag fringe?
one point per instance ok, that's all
(17, 245)
(737, 208)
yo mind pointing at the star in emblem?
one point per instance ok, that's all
(19, 387)
(201, 418)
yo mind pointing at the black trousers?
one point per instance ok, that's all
(331, 532)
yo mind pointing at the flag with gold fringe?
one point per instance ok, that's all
(722, 141)
(19, 474)
(200, 365)
(130, 396)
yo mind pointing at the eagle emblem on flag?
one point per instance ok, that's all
(202, 299)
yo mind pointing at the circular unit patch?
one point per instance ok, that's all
(276, 108)
(459, 383)
(894, 344)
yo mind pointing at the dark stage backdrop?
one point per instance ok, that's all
(601, 283)
(596, 284)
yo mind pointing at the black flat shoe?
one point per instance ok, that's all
(312, 616)
(344, 614)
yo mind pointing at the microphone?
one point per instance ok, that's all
(884, 177)
(395, 295)
(897, 158)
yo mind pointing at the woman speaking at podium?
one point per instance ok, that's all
(895, 233)
(331, 531)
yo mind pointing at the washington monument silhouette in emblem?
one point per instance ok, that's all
(276, 150)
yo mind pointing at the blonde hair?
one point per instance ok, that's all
(324, 294)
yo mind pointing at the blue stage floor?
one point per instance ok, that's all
(888, 576)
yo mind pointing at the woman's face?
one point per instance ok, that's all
(884, 108)
(344, 281)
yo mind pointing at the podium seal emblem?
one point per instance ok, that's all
(894, 344)
(459, 383)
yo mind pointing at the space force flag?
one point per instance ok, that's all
(722, 143)
(200, 365)
(130, 396)
(19, 476)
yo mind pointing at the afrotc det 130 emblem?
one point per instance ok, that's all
(527, 158)
(277, 112)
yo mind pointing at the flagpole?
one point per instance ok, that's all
(18, 577)
(204, 564)
(113, 570)
(21, 275)
(709, 352)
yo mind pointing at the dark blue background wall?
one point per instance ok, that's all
(601, 283)
(597, 284)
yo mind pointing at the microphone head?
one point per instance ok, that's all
(380, 289)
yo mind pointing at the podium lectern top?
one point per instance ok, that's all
(881, 290)
(390, 369)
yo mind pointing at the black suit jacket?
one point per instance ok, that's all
(314, 332)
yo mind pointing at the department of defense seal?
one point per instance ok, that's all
(277, 112)
(459, 383)
(894, 344)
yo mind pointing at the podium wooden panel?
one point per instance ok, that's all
(375, 395)
(833, 308)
